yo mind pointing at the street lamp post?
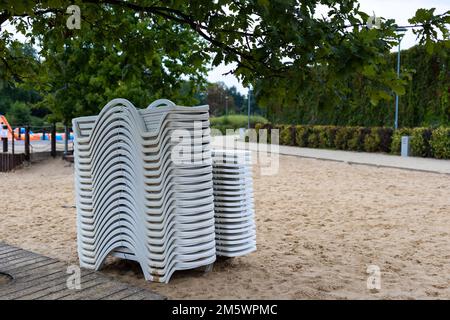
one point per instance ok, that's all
(226, 105)
(398, 75)
(249, 94)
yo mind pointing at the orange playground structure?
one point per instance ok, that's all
(4, 122)
(19, 133)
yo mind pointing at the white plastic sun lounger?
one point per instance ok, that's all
(136, 202)
(233, 203)
(133, 201)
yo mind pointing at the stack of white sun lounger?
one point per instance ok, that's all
(142, 191)
(233, 203)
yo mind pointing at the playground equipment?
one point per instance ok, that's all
(4, 122)
(144, 188)
(19, 133)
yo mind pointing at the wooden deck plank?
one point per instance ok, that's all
(5, 260)
(22, 266)
(16, 289)
(123, 294)
(17, 259)
(63, 291)
(29, 272)
(12, 254)
(6, 246)
(43, 278)
(142, 295)
(86, 287)
(57, 290)
(6, 250)
(100, 291)
(67, 293)
(26, 269)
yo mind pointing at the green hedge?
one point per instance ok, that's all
(425, 142)
(440, 143)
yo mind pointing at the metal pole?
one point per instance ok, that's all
(13, 160)
(396, 94)
(53, 142)
(398, 75)
(226, 105)
(4, 137)
(249, 93)
(27, 143)
(66, 141)
(12, 141)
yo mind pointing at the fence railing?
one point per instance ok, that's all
(21, 144)
(9, 161)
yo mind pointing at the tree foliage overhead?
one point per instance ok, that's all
(150, 60)
(277, 44)
(116, 54)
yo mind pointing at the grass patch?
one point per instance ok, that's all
(235, 121)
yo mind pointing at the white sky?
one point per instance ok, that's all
(400, 10)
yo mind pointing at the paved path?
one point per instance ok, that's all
(36, 277)
(374, 159)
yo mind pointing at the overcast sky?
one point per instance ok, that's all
(400, 10)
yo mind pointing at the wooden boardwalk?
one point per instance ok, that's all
(36, 277)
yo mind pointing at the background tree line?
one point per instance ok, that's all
(424, 102)
(223, 100)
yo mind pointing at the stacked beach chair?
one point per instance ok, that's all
(233, 203)
(143, 192)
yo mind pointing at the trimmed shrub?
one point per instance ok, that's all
(356, 141)
(372, 141)
(286, 137)
(268, 128)
(326, 136)
(259, 126)
(343, 135)
(301, 136)
(427, 133)
(314, 137)
(332, 131)
(385, 135)
(222, 129)
(425, 142)
(420, 142)
(397, 139)
(440, 143)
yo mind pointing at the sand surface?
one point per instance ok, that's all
(4, 279)
(320, 224)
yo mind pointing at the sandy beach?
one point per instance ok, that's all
(320, 224)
